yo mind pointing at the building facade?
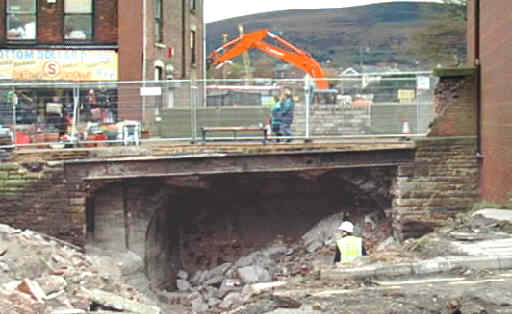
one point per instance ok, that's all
(489, 46)
(98, 41)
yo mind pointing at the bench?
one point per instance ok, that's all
(234, 130)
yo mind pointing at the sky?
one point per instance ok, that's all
(215, 10)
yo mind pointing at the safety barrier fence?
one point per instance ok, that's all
(55, 114)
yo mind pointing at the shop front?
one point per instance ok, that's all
(44, 92)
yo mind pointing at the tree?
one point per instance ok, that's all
(264, 67)
(457, 8)
(443, 41)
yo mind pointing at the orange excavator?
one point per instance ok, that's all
(289, 53)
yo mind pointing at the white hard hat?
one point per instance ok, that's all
(346, 226)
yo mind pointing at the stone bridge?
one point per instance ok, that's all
(198, 206)
(205, 205)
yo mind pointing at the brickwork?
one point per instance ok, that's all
(34, 195)
(106, 21)
(50, 22)
(496, 106)
(442, 183)
(455, 107)
(178, 22)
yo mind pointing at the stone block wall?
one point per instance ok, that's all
(443, 182)
(332, 120)
(36, 196)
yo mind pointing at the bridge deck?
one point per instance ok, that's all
(155, 150)
(186, 160)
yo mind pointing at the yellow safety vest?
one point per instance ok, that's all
(351, 247)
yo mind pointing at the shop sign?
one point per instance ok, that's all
(150, 91)
(58, 65)
(423, 82)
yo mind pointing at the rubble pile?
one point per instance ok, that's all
(39, 274)
(464, 228)
(279, 265)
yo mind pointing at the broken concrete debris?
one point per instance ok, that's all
(233, 285)
(40, 275)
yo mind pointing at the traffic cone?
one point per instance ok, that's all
(405, 128)
(268, 127)
(406, 131)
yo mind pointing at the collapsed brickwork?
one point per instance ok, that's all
(454, 103)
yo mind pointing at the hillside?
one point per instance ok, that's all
(368, 34)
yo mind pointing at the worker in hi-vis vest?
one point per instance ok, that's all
(348, 246)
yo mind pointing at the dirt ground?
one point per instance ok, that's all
(465, 291)
(63, 273)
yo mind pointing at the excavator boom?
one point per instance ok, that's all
(291, 54)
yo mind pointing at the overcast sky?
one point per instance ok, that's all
(215, 10)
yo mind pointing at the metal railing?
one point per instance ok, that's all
(130, 113)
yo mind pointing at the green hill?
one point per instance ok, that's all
(372, 34)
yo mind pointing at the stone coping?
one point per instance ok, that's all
(426, 267)
(454, 71)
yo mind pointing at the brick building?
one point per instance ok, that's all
(489, 46)
(99, 40)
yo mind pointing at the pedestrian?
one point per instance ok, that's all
(276, 117)
(287, 109)
(348, 246)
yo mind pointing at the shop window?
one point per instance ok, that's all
(158, 21)
(21, 19)
(78, 19)
(193, 47)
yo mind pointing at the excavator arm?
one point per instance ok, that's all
(291, 54)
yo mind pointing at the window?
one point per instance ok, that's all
(158, 21)
(21, 19)
(193, 46)
(193, 6)
(78, 19)
(159, 73)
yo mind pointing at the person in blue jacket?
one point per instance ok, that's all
(287, 109)
(276, 117)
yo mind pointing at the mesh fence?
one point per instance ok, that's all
(131, 113)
